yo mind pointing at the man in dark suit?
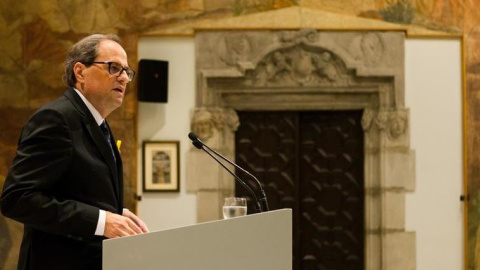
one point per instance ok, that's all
(65, 184)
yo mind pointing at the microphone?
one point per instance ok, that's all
(263, 203)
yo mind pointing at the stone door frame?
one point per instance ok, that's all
(311, 70)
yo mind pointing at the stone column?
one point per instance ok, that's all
(389, 174)
(205, 177)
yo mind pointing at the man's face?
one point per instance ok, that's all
(104, 90)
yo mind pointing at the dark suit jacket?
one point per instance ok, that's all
(62, 174)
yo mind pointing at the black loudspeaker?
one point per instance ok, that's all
(153, 81)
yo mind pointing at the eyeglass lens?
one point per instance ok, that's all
(116, 69)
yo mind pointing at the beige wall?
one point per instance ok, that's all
(170, 121)
(433, 93)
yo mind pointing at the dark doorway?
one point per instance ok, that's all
(312, 162)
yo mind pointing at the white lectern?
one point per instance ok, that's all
(258, 241)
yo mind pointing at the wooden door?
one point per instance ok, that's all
(311, 162)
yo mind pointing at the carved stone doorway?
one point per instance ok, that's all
(311, 70)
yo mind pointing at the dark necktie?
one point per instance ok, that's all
(106, 133)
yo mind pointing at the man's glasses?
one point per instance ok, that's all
(116, 69)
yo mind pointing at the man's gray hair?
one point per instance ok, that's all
(85, 51)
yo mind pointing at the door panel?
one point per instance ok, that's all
(331, 184)
(266, 147)
(311, 162)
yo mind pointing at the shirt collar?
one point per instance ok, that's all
(98, 118)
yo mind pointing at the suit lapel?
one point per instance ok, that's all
(99, 139)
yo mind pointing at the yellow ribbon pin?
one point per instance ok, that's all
(119, 143)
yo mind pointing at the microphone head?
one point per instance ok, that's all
(192, 136)
(197, 144)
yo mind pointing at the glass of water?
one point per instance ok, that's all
(234, 207)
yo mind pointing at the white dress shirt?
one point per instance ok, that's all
(100, 230)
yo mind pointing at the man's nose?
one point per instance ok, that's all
(123, 76)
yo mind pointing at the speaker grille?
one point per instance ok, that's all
(152, 81)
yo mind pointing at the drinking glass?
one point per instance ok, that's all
(234, 207)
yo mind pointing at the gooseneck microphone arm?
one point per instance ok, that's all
(263, 197)
(198, 144)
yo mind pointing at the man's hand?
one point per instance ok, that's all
(134, 218)
(119, 226)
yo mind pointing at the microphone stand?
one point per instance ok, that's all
(263, 196)
(198, 144)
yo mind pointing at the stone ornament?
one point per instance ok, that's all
(398, 122)
(234, 48)
(367, 118)
(210, 123)
(232, 120)
(395, 123)
(372, 48)
(289, 38)
(203, 124)
(382, 120)
(299, 66)
(296, 61)
(369, 48)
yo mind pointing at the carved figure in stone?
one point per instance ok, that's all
(218, 118)
(280, 62)
(367, 119)
(368, 48)
(225, 119)
(207, 120)
(297, 37)
(278, 66)
(235, 48)
(297, 66)
(202, 124)
(208, 125)
(397, 125)
(260, 75)
(232, 120)
(302, 64)
(326, 67)
(382, 120)
(310, 35)
(372, 48)
(288, 36)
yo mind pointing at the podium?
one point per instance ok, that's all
(258, 241)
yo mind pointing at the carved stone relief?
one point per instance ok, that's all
(395, 123)
(210, 124)
(298, 66)
(234, 48)
(368, 48)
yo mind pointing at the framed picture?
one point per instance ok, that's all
(161, 164)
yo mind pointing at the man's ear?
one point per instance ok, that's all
(78, 70)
